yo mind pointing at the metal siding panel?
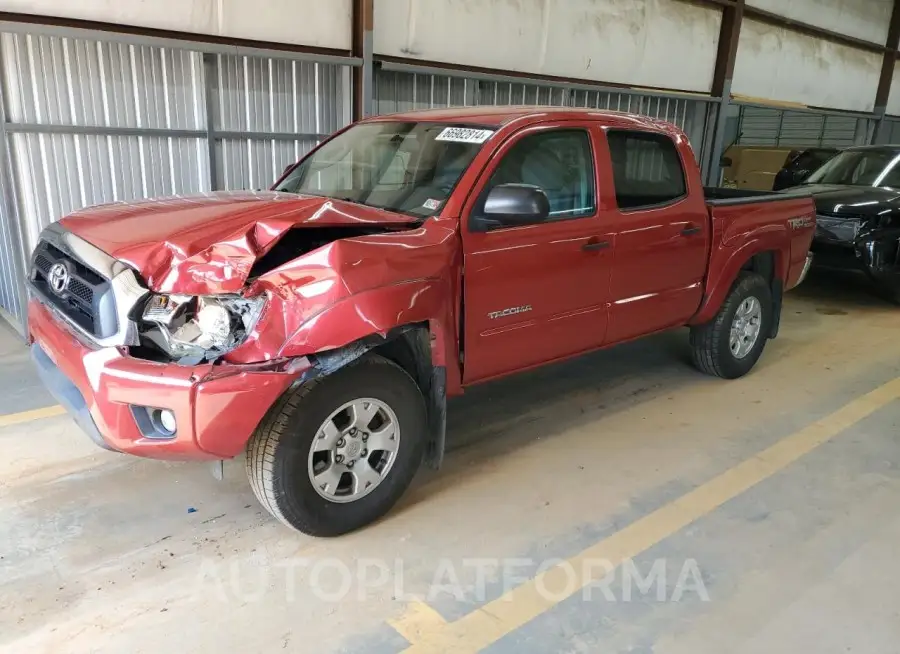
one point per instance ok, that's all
(261, 95)
(840, 131)
(57, 174)
(254, 164)
(10, 251)
(765, 126)
(61, 81)
(890, 132)
(801, 129)
(759, 126)
(58, 81)
(398, 91)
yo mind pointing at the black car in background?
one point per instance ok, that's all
(800, 164)
(857, 196)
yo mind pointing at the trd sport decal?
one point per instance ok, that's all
(493, 315)
(800, 223)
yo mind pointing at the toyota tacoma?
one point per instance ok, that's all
(320, 327)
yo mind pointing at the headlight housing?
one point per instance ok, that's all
(191, 329)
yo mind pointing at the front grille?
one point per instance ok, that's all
(86, 299)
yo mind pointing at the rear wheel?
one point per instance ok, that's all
(335, 454)
(731, 343)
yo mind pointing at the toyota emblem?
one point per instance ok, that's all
(58, 278)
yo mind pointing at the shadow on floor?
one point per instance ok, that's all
(838, 290)
(20, 388)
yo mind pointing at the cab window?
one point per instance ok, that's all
(647, 169)
(560, 162)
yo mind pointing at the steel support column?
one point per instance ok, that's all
(729, 34)
(887, 71)
(363, 48)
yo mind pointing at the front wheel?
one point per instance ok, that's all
(335, 454)
(731, 343)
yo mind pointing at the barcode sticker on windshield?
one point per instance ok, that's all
(464, 135)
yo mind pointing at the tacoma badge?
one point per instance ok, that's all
(493, 315)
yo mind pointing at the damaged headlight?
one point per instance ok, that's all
(193, 329)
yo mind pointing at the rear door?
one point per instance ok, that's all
(662, 234)
(537, 292)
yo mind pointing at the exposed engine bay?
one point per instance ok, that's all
(191, 329)
(302, 240)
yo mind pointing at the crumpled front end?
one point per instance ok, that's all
(870, 244)
(118, 399)
(178, 376)
(879, 254)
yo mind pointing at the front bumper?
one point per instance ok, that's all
(217, 407)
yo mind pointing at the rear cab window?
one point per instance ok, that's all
(647, 169)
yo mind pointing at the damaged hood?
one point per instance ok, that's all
(207, 244)
(851, 201)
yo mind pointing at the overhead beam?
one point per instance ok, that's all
(777, 20)
(91, 29)
(362, 44)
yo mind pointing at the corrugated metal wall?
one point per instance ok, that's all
(889, 132)
(53, 82)
(297, 100)
(765, 126)
(403, 91)
(88, 122)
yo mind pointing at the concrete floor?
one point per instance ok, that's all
(601, 457)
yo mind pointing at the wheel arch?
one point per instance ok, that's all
(757, 257)
(410, 347)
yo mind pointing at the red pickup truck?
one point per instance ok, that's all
(320, 326)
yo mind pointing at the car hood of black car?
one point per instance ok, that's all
(851, 201)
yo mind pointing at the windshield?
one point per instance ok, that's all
(410, 168)
(860, 168)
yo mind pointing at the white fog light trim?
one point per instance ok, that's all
(167, 421)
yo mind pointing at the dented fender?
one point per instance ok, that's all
(352, 288)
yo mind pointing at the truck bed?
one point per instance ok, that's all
(716, 196)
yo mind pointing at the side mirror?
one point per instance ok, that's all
(516, 204)
(725, 162)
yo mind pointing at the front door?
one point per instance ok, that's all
(537, 292)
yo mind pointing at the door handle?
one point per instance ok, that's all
(693, 229)
(595, 245)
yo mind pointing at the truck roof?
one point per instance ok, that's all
(496, 116)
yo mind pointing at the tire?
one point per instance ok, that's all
(711, 348)
(280, 463)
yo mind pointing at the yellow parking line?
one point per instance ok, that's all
(28, 416)
(417, 621)
(497, 618)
